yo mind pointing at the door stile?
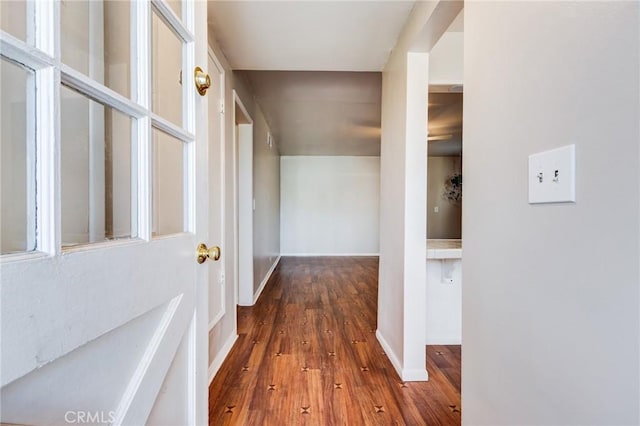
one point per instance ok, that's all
(196, 13)
(141, 92)
(43, 34)
(46, 26)
(189, 119)
(47, 114)
(32, 163)
(144, 174)
(140, 58)
(48, 194)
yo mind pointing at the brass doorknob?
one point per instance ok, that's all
(205, 253)
(203, 82)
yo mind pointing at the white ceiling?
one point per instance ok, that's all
(314, 68)
(307, 35)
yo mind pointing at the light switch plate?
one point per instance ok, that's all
(552, 176)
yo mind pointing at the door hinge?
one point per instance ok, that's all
(221, 107)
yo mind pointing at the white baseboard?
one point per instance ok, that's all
(222, 354)
(444, 340)
(330, 254)
(417, 375)
(390, 354)
(265, 280)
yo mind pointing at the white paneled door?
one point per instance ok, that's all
(104, 183)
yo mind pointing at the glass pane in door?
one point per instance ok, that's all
(168, 184)
(17, 159)
(166, 55)
(176, 5)
(97, 170)
(95, 40)
(14, 18)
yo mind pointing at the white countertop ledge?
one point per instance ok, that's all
(444, 249)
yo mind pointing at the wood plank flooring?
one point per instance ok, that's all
(307, 354)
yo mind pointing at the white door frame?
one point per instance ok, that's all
(222, 167)
(243, 201)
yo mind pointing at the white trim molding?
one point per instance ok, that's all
(405, 375)
(215, 320)
(415, 375)
(222, 355)
(444, 340)
(258, 292)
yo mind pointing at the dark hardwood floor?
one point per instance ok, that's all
(307, 354)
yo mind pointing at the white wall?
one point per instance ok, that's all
(446, 60)
(224, 333)
(330, 205)
(551, 294)
(266, 193)
(447, 221)
(444, 302)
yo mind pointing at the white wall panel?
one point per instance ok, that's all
(330, 205)
(550, 301)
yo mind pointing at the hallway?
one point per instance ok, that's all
(307, 353)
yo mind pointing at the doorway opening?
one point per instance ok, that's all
(243, 201)
(444, 218)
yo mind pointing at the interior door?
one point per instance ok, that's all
(104, 200)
